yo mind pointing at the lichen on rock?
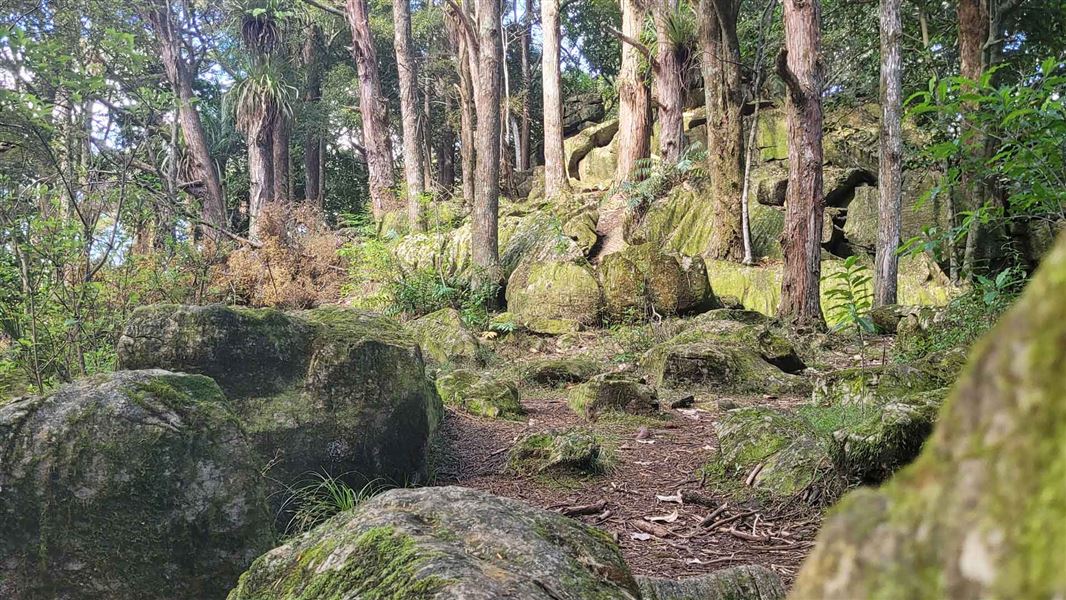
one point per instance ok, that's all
(480, 395)
(613, 392)
(443, 336)
(747, 582)
(543, 293)
(564, 452)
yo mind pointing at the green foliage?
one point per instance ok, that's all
(652, 177)
(851, 293)
(323, 497)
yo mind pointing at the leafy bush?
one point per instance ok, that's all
(851, 291)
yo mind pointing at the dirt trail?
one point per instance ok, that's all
(661, 465)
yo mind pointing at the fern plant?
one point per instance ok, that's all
(852, 296)
(652, 178)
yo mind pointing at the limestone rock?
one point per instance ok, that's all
(613, 392)
(723, 365)
(480, 395)
(570, 451)
(576, 147)
(442, 543)
(130, 485)
(443, 336)
(328, 390)
(641, 280)
(554, 291)
(982, 512)
(748, 582)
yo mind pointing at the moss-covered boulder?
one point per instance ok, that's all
(137, 484)
(542, 294)
(771, 453)
(982, 512)
(748, 582)
(559, 452)
(641, 280)
(723, 365)
(480, 394)
(613, 392)
(745, 329)
(876, 385)
(442, 543)
(444, 338)
(556, 371)
(327, 390)
(582, 229)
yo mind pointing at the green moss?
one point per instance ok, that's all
(573, 450)
(612, 392)
(480, 395)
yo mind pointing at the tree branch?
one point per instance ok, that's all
(636, 44)
(329, 9)
(468, 27)
(786, 75)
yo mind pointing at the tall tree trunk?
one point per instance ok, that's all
(181, 80)
(555, 179)
(668, 92)
(973, 33)
(372, 107)
(468, 121)
(799, 66)
(724, 96)
(890, 168)
(634, 110)
(527, 86)
(281, 136)
(260, 168)
(312, 47)
(445, 146)
(484, 234)
(412, 150)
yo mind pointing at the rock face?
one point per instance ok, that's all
(131, 485)
(749, 582)
(581, 111)
(982, 512)
(442, 543)
(555, 297)
(613, 392)
(443, 336)
(331, 390)
(642, 280)
(480, 394)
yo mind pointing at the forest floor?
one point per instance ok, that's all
(653, 462)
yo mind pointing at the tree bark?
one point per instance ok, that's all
(467, 112)
(555, 179)
(527, 86)
(484, 235)
(260, 168)
(280, 139)
(372, 107)
(634, 110)
(181, 80)
(412, 151)
(973, 33)
(724, 96)
(799, 65)
(668, 86)
(890, 168)
(312, 47)
(445, 146)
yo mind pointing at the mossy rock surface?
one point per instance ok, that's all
(331, 390)
(724, 365)
(876, 385)
(744, 329)
(130, 485)
(479, 394)
(543, 294)
(442, 543)
(444, 338)
(563, 452)
(613, 392)
(748, 582)
(641, 280)
(779, 453)
(982, 512)
(556, 371)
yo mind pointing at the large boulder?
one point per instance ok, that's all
(581, 111)
(743, 328)
(773, 454)
(726, 366)
(137, 484)
(442, 543)
(982, 512)
(443, 336)
(641, 280)
(748, 582)
(571, 451)
(548, 296)
(480, 395)
(327, 390)
(555, 371)
(613, 392)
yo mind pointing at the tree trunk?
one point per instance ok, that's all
(260, 168)
(800, 67)
(973, 33)
(634, 110)
(724, 96)
(412, 151)
(445, 147)
(312, 47)
(181, 80)
(280, 139)
(372, 107)
(668, 86)
(555, 180)
(890, 168)
(467, 113)
(527, 85)
(484, 241)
